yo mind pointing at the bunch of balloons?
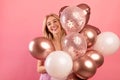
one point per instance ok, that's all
(84, 46)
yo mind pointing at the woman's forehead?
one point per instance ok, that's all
(51, 18)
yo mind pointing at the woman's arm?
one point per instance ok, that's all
(40, 67)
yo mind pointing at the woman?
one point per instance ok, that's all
(52, 30)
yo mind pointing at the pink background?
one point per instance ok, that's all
(21, 21)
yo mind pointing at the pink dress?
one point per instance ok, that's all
(45, 76)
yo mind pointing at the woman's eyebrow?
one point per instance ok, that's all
(51, 20)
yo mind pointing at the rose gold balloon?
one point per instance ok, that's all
(60, 11)
(93, 27)
(84, 6)
(90, 35)
(73, 77)
(87, 10)
(41, 47)
(96, 56)
(84, 67)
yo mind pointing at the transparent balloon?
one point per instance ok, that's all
(74, 44)
(73, 19)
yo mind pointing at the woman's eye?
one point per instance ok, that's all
(48, 24)
(54, 21)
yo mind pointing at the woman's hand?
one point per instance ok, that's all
(40, 67)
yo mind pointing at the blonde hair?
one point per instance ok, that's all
(45, 30)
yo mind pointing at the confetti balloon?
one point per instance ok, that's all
(73, 19)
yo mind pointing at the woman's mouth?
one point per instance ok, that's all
(54, 28)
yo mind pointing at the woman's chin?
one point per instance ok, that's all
(55, 32)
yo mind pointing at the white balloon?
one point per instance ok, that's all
(52, 78)
(107, 43)
(58, 64)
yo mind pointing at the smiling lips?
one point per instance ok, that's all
(54, 28)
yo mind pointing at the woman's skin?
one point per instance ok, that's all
(54, 27)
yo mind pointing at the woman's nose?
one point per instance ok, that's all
(52, 24)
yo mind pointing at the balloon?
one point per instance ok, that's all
(52, 78)
(95, 56)
(74, 44)
(107, 43)
(40, 47)
(94, 28)
(73, 77)
(86, 8)
(90, 35)
(84, 67)
(73, 19)
(60, 11)
(58, 64)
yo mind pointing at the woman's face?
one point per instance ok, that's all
(53, 25)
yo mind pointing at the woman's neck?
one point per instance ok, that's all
(57, 41)
(57, 37)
